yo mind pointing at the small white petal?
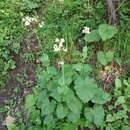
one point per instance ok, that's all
(61, 44)
(65, 49)
(60, 63)
(57, 40)
(27, 23)
(62, 40)
(56, 48)
(23, 19)
(86, 30)
(40, 25)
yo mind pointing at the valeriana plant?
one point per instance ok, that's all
(64, 98)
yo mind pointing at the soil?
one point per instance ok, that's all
(24, 70)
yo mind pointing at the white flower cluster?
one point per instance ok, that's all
(28, 20)
(86, 30)
(59, 46)
(60, 63)
(41, 24)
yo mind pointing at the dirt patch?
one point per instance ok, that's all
(21, 80)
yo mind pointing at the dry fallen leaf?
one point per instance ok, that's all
(103, 75)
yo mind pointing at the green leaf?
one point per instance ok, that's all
(69, 126)
(93, 36)
(52, 87)
(62, 90)
(74, 117)
(78, 67)
(109, 56)
(68, 70)
(51, 70)
(31, 5)
(89, 113)
(110, 118)
(72, 102)
(106, 31)
(66, 80)
(55, 95)
(101, 58)
(120, 101)
(118, 83)
(61, 111)
(101, 97)
(95, 114)
(30, 101)
(98, 115)
(45, 59)
(47, 106)
(87, 69)
(85, 89)
(43, 77)
(104, 58)
(12, 127)
(48, 119)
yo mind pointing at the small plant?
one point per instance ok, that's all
(104, 32)
(63, 96)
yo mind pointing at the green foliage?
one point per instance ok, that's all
(105, 57)
(92, 114)
(65, 96)
(104, 32)
(11, 33)
(93, 36)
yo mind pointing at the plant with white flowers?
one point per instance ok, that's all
(61, 63)
(28, 20)
(59, 45)
(86, 30)
(41, 24)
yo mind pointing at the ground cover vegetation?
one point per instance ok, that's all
(64, 65)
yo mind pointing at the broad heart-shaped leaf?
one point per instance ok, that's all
(61, 111)
(93, 36)
(105, 57)
(48, 119)
(101, 97)
(106, 31)
(102, 58)
(109, 56)
(51, 70)
(78, 67)
(98, 114)
(74, 117)
(45, 59)
(66, 80)
(52, 89)
(62, 90)
(47, 107)
(85, 89)
(68, 70)
(72, 102)
(55, 95)
(43, 77)
(95, 114)
(31, 5)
